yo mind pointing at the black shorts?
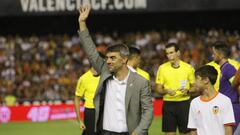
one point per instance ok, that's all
(175, 115)
(89, 120)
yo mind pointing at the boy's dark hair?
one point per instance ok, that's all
(121, 48)
(222, 48)
(173, 45)
(134, 52)
(207, 72)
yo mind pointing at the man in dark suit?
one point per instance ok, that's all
(122, 100)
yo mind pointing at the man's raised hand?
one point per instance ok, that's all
(84, 12)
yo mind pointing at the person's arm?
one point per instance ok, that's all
(192, 90)
(77, 108)
(228, 130)
(86, 40)
(162, 91)
(192, 121)
(147, 111)
(228, 116)
(159, 83)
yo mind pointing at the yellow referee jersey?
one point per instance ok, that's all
(217, 67)
(175, 79)
(143, 73)
(86, 88)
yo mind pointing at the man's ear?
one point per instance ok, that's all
(206, 80)
(178, 53)
(125, 59)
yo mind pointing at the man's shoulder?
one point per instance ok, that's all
(235, 63)
(195, 100)
(185, 64)
(143, 73)
(165, 65)
(86, 75)
(223, 98)
(228, 68)
(229, 65)
(212, 63)
(138, 78)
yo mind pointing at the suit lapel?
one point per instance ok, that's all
(129, 90)
(102, 80)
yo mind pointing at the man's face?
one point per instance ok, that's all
(172, 54)
(216, 55)
(115, 61)
(136, 61)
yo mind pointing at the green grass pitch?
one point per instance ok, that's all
(67, 127)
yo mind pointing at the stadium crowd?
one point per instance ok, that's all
(46, 68)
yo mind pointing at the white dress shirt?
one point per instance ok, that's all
(114, 118)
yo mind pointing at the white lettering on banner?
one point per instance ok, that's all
(84, 2)
(95, 5)
(5, 114)
(60, 5)
(70, 6)
(141, 4)
(33, 5)
(104, 4)
(78, 3)
(24, 4)
(128, 4)
(73, 5)
(60, 116)
(40, 113)
(42, 7)
(50, 5)
(118, 5)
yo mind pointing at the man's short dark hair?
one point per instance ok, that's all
(209, 72)
(134, 52)
(173, 45)
(223, 48)
(121, 48)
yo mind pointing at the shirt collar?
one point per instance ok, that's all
(123, 81)
(131, 68)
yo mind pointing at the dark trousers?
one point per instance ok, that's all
(113, 133)
(89, 119)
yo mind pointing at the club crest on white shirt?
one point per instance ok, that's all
(215, 109)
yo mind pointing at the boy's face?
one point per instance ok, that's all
(200, 83)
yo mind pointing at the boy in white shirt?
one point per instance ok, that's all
(211, 113)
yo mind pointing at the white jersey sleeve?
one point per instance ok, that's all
(191, 117)
(228, 117)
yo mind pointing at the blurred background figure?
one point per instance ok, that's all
(221, 52)
(86, 88)
(134, 62)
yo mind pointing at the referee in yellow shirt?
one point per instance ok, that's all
(134, 61)
(86, 88)
(174, 80)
